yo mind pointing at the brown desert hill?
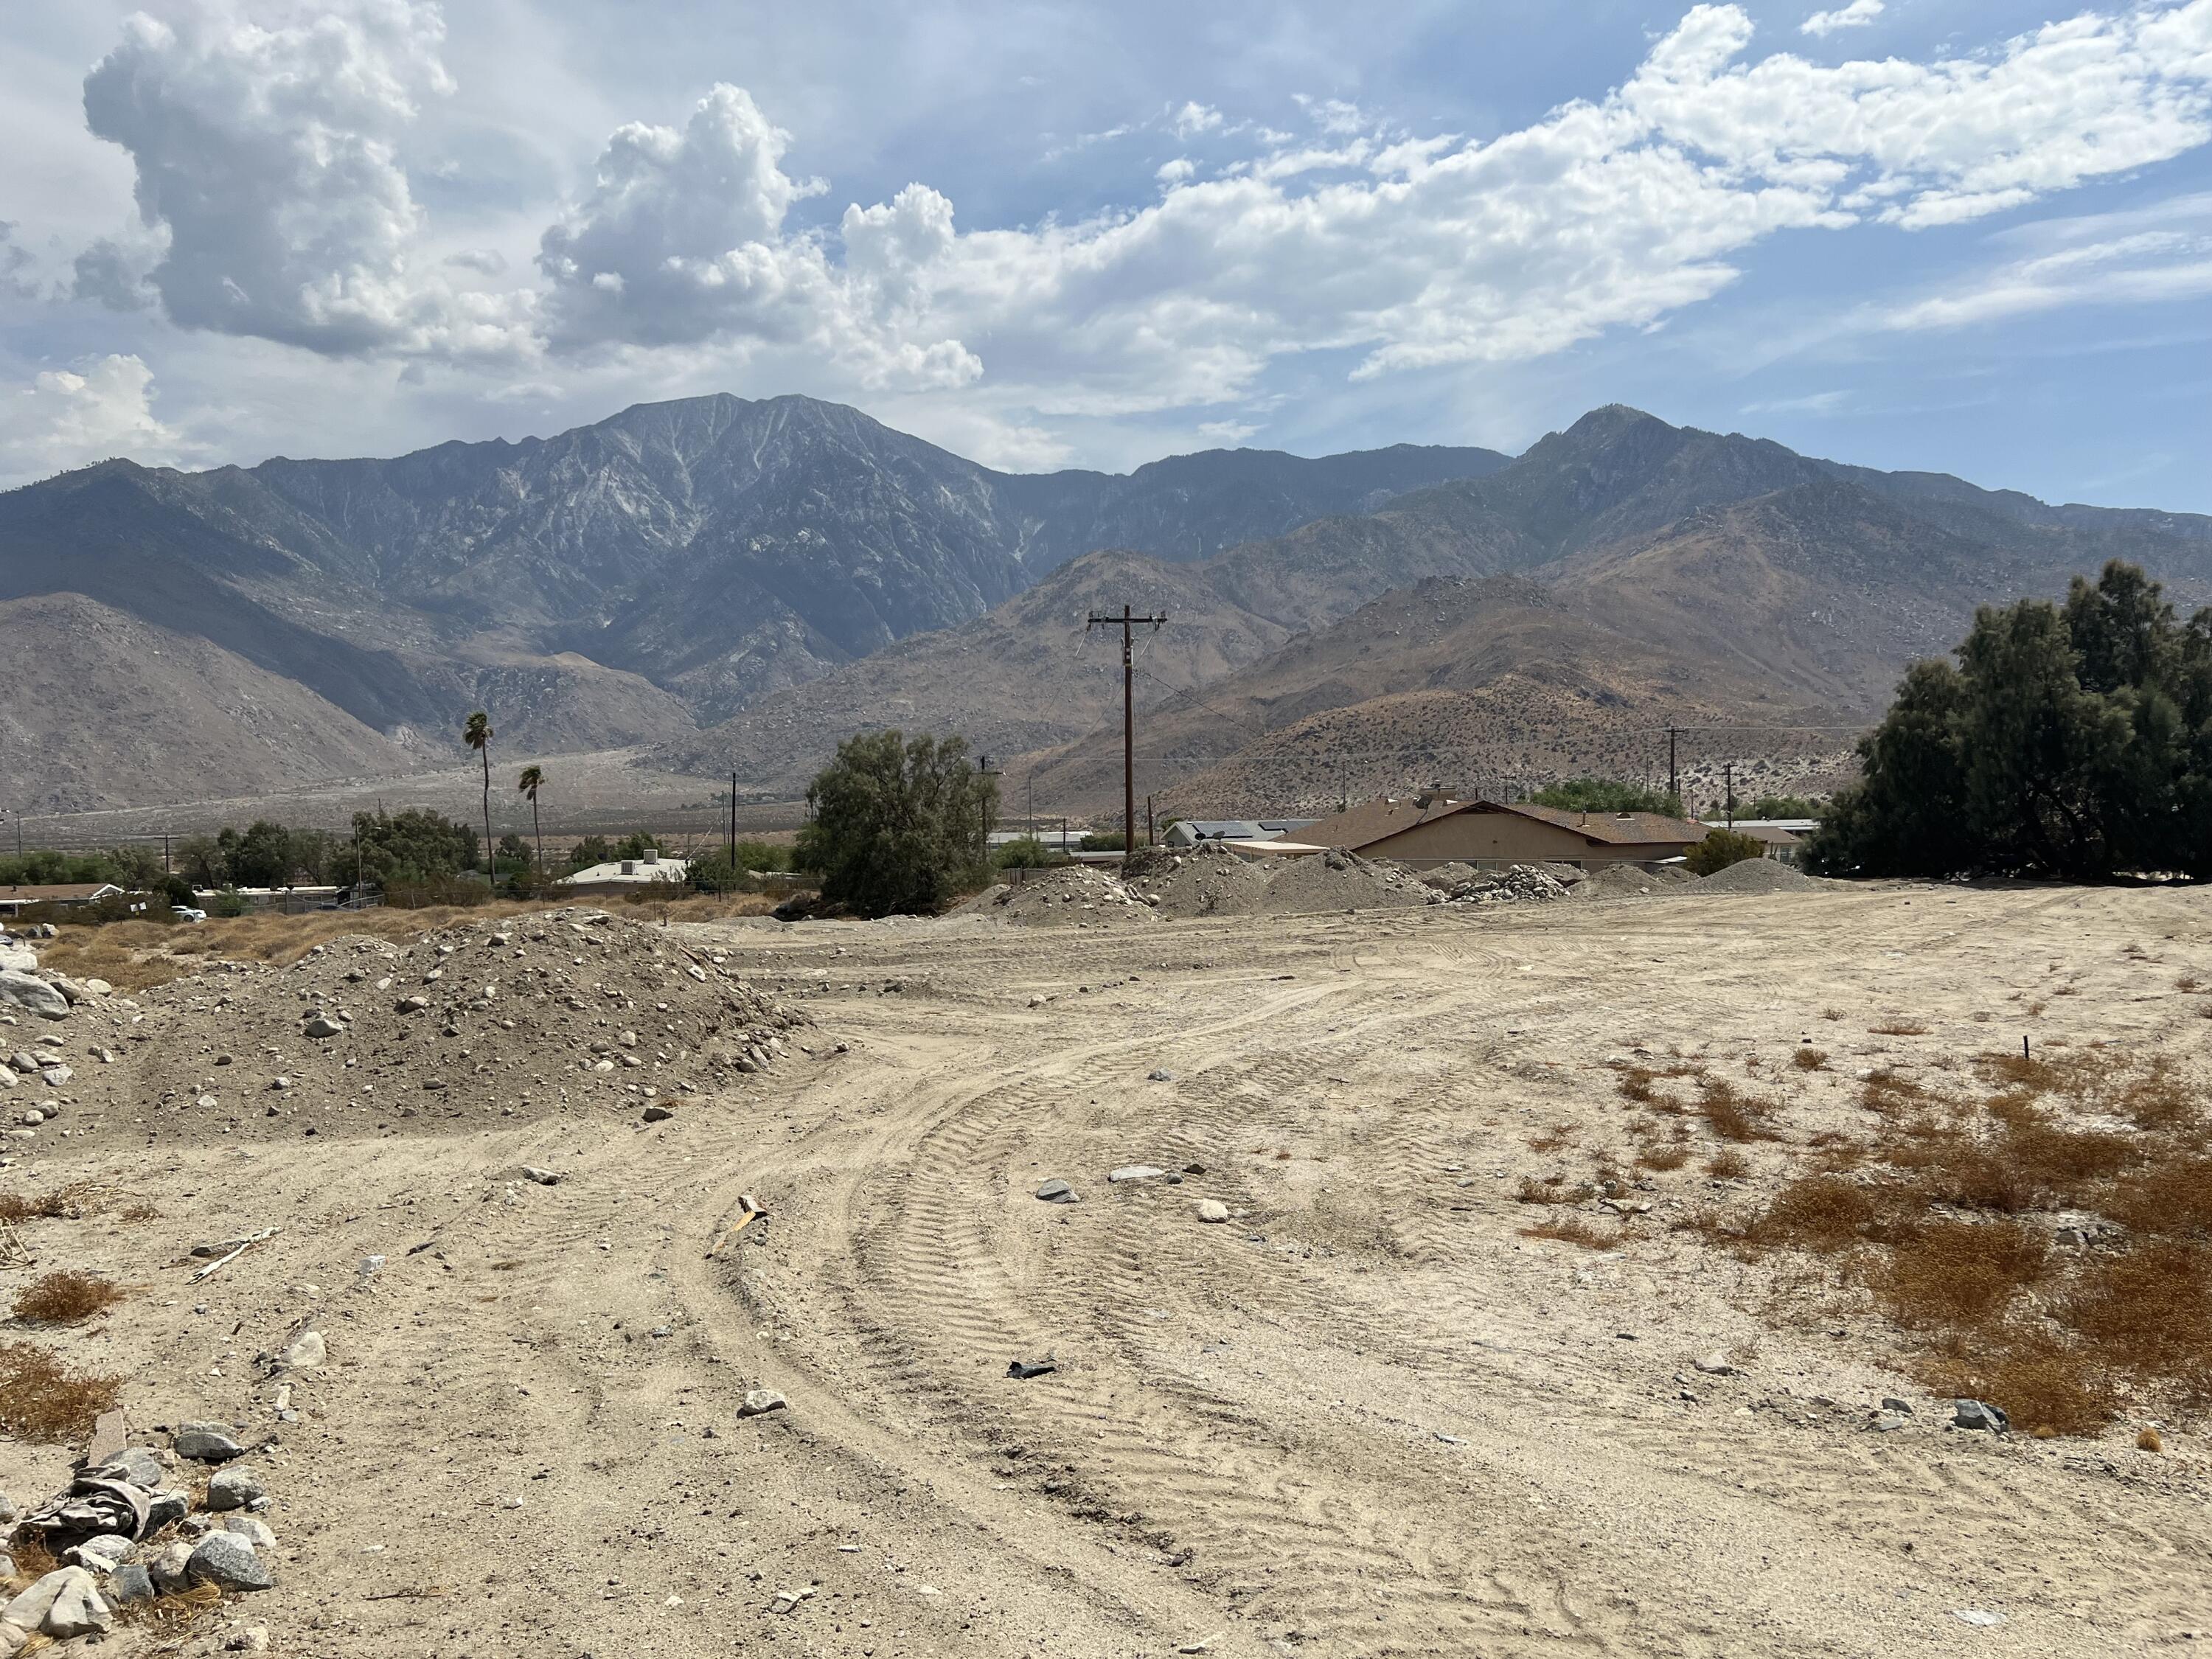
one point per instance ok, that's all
(103, 708)
(1474, 682)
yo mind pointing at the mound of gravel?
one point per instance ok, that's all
(1756, 876)
(1205, 881)
(527, 1017)
(1518, 884)
(1339, 880)
(1079, 896)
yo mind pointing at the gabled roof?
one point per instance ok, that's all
(62, 892)
(1379, 819)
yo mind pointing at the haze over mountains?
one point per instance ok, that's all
(739, 584)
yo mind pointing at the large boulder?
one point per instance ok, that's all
(32, 995)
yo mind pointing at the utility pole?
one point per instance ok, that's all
(983, 796)
(733, 826)
(1151, 836)
(1674, 780)
(1727, 784)
(167, 868)
(1029, 789)
(1128, 623)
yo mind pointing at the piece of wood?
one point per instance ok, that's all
(244, 1245)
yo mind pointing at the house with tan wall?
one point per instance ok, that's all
(1430, 829)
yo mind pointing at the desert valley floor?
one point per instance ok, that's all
(1368, 1415)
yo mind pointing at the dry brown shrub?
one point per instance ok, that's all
(2150, 1440)
(1898, 1028)
(34, 1556)
(1635, 1083)
(2149, 1312)
(42, 1400)
(2168, 1198)
(1559, 1135)
(2046, 1386)
(1731, 1115)
(68, 1203)
(66, 1296)
(2159, 1102)
(1573, 1229)
(1888, 1093)
(1831, 1013)
(1728, 1164)
(1807, 1060)
(1553, 1191)
(1819, 1213)
(1673, 1156)
(1949, 1273)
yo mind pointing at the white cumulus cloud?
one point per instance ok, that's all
(72, 418)
(1855, 15)
(267, 169)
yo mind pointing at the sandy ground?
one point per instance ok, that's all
(1367, 1416)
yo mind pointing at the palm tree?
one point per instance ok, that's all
(531, 780)
(478, 734)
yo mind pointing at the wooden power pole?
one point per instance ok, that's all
(1129, 624)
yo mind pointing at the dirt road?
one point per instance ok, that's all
(1366, 1415)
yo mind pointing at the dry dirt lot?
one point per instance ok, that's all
(1369, 1414)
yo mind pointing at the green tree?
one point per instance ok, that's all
(531, 780)
(201, 861)
(478, 734)
(262, 857)
(1786, 806)
(1026, 854)
(1103, 841)
(2072, 741)
(1719, 849)
(896, 824)
(589, 851)
(414, 846)
(1606, 795)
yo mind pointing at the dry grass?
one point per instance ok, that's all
(2150, 1440)
(1552, 1139)
(1823, 1213)
(42, 1400)
(2149, 1313)
(1888, 1093)
(68, 1203)
(1671, 1156)
(1573, 1229)
(65, 1297)
(34, 1559)
(1556, 1190)
(1807, 1060)
(1727, 1165)
(1732, 1115)
(1960, 1274)
(2044, 1385)
(1831, 1013)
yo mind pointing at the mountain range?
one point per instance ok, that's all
(731, 585)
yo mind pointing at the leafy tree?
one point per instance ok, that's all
(1606, 795)
(2072, 741)
(1026, 854)
(137, 868)
(227, 903)
(1786, 806)
(589, 851)
(177, 890)
(415, 846)
(1719, 849)
(478, 734)
(531, 780)
(897, 824)
(1104, 841)
(202, 860)
(262, 857)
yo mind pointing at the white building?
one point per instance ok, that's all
(642, 870)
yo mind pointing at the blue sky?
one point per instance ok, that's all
(1973, 238)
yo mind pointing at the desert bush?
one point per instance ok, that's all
(1807, 1060)
(1671, 1157)
(1727, 1165)
(1822, 1213)
(1719, 849)
(64, 1298)
(2149, 1312)
(897, 824)
(2046, 1386)
(1732, 1115)
(42, 1400)
(1950, 1274)
(1573, 1229)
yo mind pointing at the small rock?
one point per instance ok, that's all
(657, 1112)
(1027, 1368)
(322, 1025)
(235, 1487)
(1890, 1422)
(1135, 1172)
(129, 1585)
(168, 1569)
(370, 1266)
(32, 995)
(413, 1004)
(208, 1443)
(1057, 1192)
(228, 1561)
(1979, 1414)
(1715, 1364)
(254, 1638)
(98, 1554)
(1891, 1403)
(254, 1530)
(1213, 1209)
(1977, 1616)
(758, 1401)
(304, 1352)
(543, 1177)
(1159, 1077)
(54, 1076)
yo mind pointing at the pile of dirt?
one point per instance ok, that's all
(1339, 880)
(1519, 884)
(520, 1017)
(1622, 881)
(1756, 876)
(1445, 877)
(1077, 895)
(1205, 881)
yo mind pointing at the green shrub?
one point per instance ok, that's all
(1720, 848)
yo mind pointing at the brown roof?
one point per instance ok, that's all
(56, 892)
(1765, 833)
(1386, 815)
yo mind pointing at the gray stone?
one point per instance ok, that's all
(413, 1004)
(1715, 1364)
(658, 1114)
(207, 1442)
(228, 1561)
(130, 1584)
(1891, 1403)
(235, 1487)
(1159, 1077)
(1213, 1209)
(1057, 1192)
(79, 1609)
(7, 1510)
(17, 958)
(98, 1554)
(1979, 1414)
(54, 1076)
(1890, 1422)
(23, 1061)
(170, 1506)
(72, 992)
(168, 1569)
(32, 996)
(1135, 1172)
(254, 1530)
(543, 1177)
(759, 1400)
(304, 1352)
(322, 1025)
(110, 1435)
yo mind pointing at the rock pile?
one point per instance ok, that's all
(1756, 876)
(523, 1017)
(126, 1531)
(1077, 896)
(1339, 880)
(1519, 884)
(1207, 880)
